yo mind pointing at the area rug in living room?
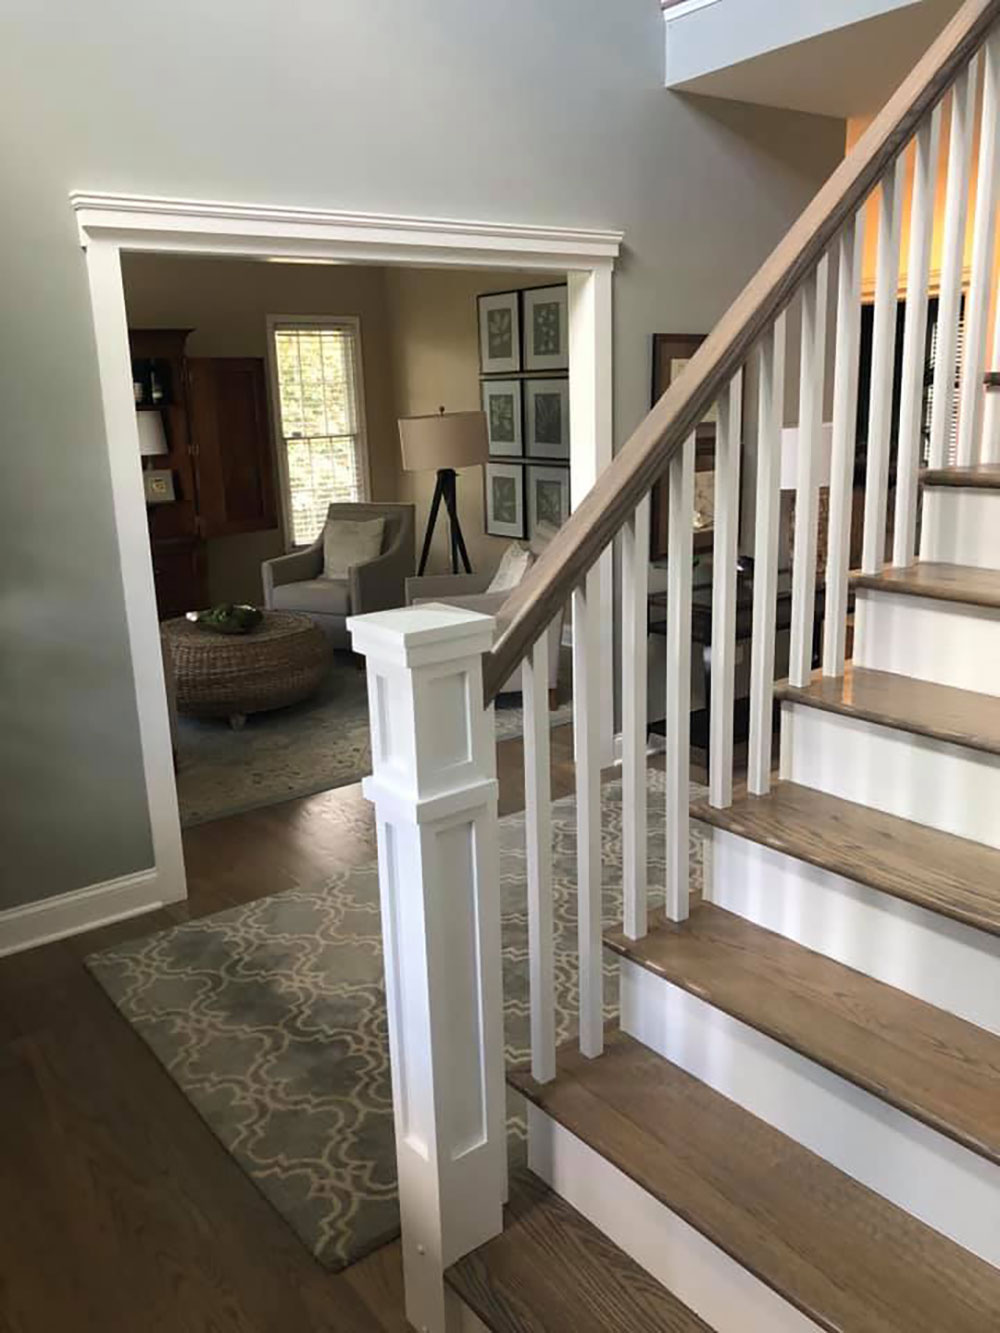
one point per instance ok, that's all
(320, 743)
(271, 1019)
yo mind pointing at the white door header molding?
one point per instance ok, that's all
(149, 223)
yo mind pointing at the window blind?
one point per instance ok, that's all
(318, 377)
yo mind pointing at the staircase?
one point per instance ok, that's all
(794, 1123)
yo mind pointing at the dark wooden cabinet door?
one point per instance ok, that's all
(230, 433)
(179, 574)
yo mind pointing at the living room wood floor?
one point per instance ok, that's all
(122, 1213)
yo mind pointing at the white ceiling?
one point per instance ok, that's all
(847, 72)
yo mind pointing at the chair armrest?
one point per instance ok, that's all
(380, 584)
(439, 587)
(294, 568)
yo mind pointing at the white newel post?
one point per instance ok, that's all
(435, 794)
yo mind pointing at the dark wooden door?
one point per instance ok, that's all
(230, 433)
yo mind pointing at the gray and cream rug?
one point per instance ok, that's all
(320, 743)
(271, 1019)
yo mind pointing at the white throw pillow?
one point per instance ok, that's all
(514, 564)
(347, 542)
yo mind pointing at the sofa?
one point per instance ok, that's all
(470, 591)
(296, 583)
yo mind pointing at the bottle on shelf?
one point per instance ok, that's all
(155, 386)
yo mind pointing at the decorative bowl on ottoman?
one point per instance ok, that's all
(281, 661)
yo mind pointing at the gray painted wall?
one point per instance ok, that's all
(543, 113)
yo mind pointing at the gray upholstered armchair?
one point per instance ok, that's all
(469, 591)
(296, 583)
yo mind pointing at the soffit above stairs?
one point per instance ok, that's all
(830, 57)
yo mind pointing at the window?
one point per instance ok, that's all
(317, 369)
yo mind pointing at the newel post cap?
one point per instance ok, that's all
(413, 636)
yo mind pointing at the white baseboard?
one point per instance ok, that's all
(95, 905)
(726, 1295)
(924, 1172)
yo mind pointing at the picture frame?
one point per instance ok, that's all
(499, 316)
(545, 325)
(503, 407)
(548, 497)
(546, 418)
(504, 499)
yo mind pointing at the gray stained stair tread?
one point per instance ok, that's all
(942, 582)
(551, 1269)
(955, 877)
(850, 1260)
(960, 717)
(985, 477)
(924, 1061)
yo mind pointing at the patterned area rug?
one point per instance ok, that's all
(320, 743)
(271, 1019)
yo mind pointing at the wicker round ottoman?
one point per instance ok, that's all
(280, 662)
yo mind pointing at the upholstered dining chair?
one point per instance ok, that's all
(297, 582)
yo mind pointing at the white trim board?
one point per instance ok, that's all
(82, 909)
(112, 223)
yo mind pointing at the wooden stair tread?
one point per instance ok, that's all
(552, 1269)
(984, 477)
(955, 877)
(849, 1259)
(960, 717)
(941, 582)
(926, 1062)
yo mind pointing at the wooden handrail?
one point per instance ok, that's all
(643, 458)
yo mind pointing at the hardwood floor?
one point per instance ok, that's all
(122, 1213)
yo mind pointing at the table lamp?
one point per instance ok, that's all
(445, 441)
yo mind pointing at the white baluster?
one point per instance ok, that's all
(811, 381)
(952, 253)
(680, 555)
(586, 731)
(635, 581)
(435, 794)
(970, 418)
(911, 405)
(850, 254)
(538, 842)
(890, 215)
(728, 445)
(771, 399)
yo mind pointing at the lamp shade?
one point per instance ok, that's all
(152, 437)
(445, 439)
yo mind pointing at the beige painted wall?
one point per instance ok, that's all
(435, 352)
(226, 304)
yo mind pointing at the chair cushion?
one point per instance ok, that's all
(514, 564)
(324, 596)
(348, 542)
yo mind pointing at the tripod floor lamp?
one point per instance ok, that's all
(445, 441)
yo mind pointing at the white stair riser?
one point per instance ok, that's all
(961, 526)
(922, 1171)
(945, 642)
(723, 1293)
(945, 963)
(949, 787)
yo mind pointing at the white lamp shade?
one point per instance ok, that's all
(152, 436)
(444, 439)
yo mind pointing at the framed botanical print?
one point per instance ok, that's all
(499, 333)
(502, 406)
(548, 497)
(546, 328)
(546, 418)
(504, 499)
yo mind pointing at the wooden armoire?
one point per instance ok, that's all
(220, 456)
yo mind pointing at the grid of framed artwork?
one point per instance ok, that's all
(524, 382)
